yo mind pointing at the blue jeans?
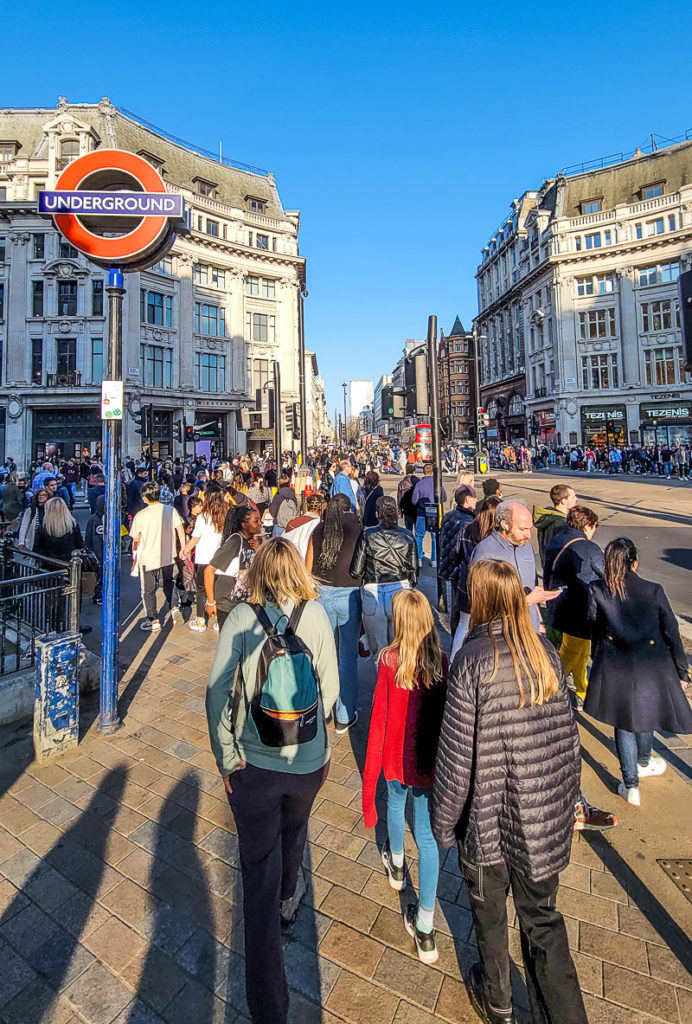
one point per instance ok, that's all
(428, 855)
(409, 522)
(377, 612)
(420, 533)
(343, 607)
(634, 748)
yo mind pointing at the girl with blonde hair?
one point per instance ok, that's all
(58, 535)
(506, 782)
(404, 728)
(464, 479)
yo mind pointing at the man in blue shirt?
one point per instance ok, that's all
(422, 496)
(345, 484)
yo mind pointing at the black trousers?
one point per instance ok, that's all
(271, 811)
(153, 578)
(551, 978)
(201, 597)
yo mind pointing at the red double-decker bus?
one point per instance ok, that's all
(419, 439)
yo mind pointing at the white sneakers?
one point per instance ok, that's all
(656, 766)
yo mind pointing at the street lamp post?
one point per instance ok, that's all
(345, 387)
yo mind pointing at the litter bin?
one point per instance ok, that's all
(481, 464)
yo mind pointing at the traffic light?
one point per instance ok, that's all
(178, 430)
(189, 432)
(387, 402)
(289, 419)
(296, 420)
(144, 418)
(610, 426)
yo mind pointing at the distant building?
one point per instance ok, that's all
(318, 428)
(579, 322)
(201, 328)
(360, 394)
(381, 425)
(456, 384)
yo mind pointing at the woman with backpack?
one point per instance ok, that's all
(506, 782)
(405, 724)
(272, 767)
(284, 506)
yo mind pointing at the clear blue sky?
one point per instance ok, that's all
(401, 131)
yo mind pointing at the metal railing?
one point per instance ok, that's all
(71, 379)
(38, 595)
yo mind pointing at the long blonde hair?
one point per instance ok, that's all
(278, 574)
(497, 595)
(57, 519)
(416, 646)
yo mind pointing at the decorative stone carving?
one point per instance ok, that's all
(19, 237)
(15, 407)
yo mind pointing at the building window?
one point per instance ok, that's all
(212, 227)
(96, 360)
(155, 363)
(672, 224)
(204, 188)
(268, 288)
(651, 191)
(97, 298)
(37, 360)
(599, 372)
(210, 372)
(661, 315)
(261, 241)
(597, 323)
(256, 205)
(260, 327)
(67, 355)
(164, 266)
(660, 365)
(67, 251)
(212, 277)
(638, 230)
(39, 246)
(209, 320)
(2, 301)
(516, 406)
(655, 227)
(260, 373)
(585, 286)
(8, 151)
(590, 206)
(155, 308)
(663, 273)
(593, 241)
(69, 149)
(67, 298)
(37, 298)
(577, 243)
(3, 254)
(252, 285)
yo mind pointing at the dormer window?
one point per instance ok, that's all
(151, 158)
(652, 191)
(255, 204)
(204, 187)
(8, 150)
(69, 150)
(591, 206)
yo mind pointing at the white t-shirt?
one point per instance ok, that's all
(208, 541)
(155, 526)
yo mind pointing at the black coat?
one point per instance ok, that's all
(638, 660)
(370, 506)
(580, 564)
(451, 553)
(385, 554)
(506, 777)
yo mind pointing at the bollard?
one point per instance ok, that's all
(56, 699)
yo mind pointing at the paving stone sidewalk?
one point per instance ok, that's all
(121, 896)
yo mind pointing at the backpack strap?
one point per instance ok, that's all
(265, 622)
(295, 618)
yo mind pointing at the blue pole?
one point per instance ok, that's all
(109, 720)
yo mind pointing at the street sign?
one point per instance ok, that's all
(113, 206)
(111, 399)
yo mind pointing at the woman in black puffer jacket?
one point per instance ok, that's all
(506, 780)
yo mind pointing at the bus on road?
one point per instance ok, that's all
(418, 439)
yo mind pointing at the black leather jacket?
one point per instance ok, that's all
(385, 555)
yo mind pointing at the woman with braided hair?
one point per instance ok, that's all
(328, 557)
(226, 574)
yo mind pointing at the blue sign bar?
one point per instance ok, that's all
(111, 204)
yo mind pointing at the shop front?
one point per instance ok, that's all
(66, 433)
(666, 422)
(545, 426)
(604, 426)
(208, 434)
(507, 415)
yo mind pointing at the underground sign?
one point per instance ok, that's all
(113, 206)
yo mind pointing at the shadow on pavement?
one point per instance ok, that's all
(74, 865)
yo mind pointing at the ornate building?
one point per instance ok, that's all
(456, 383)
(579, 321)
(201, 328)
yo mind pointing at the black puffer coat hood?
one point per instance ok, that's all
(506, 778)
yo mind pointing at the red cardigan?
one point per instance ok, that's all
(404, 732)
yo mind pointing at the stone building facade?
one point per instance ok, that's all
(456, 383)
(200, 329)
(579, 321)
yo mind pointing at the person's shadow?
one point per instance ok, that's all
(76, 862)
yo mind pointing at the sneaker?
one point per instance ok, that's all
(198, 625)
(342, 727)
(289, 907)
(150, 625)
(426, 946)
(176, 616)
(656, 766)
(479, 1001)
(630, 794)
(395, 875)
(215, 627)
(592, 818)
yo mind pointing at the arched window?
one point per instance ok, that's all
(516, 406)
(69, 149)
(491, 408)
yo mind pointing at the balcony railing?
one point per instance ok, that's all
(64, 380)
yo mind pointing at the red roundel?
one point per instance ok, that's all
(136, 243)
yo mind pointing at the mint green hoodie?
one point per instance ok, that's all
(240, 643)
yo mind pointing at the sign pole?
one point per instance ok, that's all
(109, 720)
(433, 398)
(278, 443)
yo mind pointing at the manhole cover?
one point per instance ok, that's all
(680, 874)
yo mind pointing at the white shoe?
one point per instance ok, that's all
(176, 616)
(197, 625)
(656, 766)
(631, 795)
